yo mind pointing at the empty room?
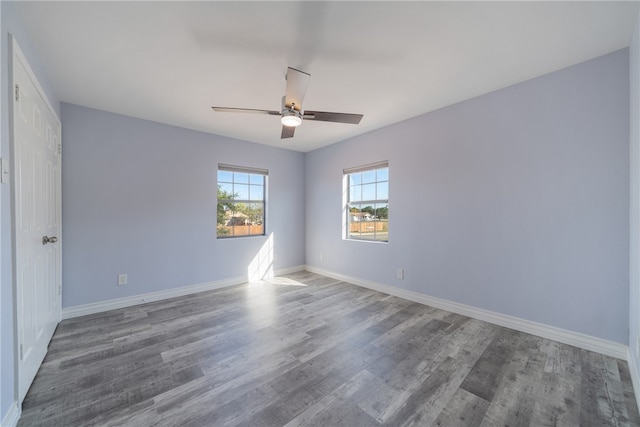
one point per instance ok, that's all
(319, 213)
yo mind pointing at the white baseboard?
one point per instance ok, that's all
(99, 307)
(290, 270)
(564, 336)
(12, 416)
(635, 375)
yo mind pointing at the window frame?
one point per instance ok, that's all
(248, 200)
(349, 200)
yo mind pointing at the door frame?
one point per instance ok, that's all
(16, 54)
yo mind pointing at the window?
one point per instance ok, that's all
(367, 202)
(241, 201)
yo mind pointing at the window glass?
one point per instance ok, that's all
(241, 202)
(382, 190)
(241, 191)
(225, 176)
(369, 176)
(367, 203)
(240, 178)
(256, 191)
(369, 192)
(355, 191)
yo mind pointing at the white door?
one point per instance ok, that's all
(36, 180)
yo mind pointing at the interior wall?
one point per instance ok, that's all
(11, 25)
(140, 198)
(516, 201)
(634, 244)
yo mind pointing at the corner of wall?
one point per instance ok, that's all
(633, 357)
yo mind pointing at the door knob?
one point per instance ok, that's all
(46, 240)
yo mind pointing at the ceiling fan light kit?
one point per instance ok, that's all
(291, 115)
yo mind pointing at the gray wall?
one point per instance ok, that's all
(140, 198)
(11, 25)
(634, 152)
(515, 202)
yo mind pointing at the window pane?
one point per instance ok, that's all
(226, 191)
(369, 192)
(382, 174)
(368, 176)
(355, 178)
(354, 220)
(256, 179)
(355, 193)
(382, 222)
(238, 220)
(255, 213)
(367, 213)
(238, 216)
(256, 192)
(241, 191)
(382, 191)
(354, 211)
(382, 212)
(241, 178)
(224, 231)
(225, 176)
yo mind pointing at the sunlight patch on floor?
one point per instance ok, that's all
(283, 281)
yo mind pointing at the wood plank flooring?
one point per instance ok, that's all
(307, 350)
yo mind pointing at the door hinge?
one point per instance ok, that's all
(59, 149)
(21, 355)
(59, 290)
(17, 92)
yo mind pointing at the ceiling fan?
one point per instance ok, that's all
(291, 114)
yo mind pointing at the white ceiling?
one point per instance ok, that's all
(171, 61)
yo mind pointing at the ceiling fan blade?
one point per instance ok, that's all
(324, 116)
(287, 132)
(245, 110)
(297, 82)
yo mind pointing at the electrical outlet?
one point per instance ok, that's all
(321, 257)
(400, 273)
(122, 279)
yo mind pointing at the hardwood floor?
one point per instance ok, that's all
(306, 350)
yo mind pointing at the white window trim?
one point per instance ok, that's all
(249, 170)
(346, 235)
